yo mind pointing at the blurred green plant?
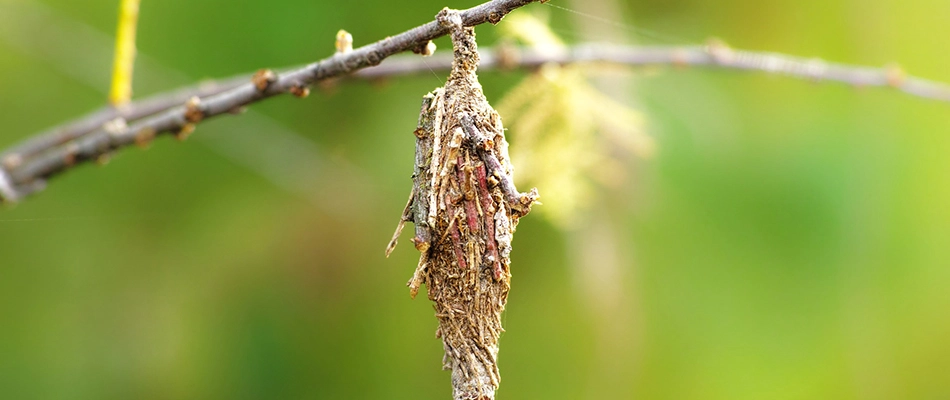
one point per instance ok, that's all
(567, 134)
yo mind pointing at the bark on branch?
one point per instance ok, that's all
(26, 168)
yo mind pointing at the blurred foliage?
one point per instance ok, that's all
(791, 239)
(569, 135)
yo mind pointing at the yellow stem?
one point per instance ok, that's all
(123, 65)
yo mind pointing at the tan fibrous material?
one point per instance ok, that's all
(465, 208)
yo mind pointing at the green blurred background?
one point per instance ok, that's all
(789, 240)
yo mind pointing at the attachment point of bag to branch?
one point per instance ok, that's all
(452, 19)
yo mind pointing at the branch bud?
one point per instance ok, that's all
(344, 42)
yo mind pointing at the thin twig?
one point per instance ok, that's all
(28, 174)
(715, 55)
(135, 110)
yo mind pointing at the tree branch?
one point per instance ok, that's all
(26, 166)
(28, 174)
(714, 55)
(138, 109)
